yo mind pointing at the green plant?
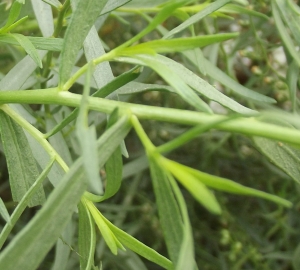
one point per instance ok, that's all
(65, 148)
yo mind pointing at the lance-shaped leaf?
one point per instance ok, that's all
(86, 237)
(138, 247)
(168, 210)
(177, 44)
(22, 167)
(81, 22)
(26, 44)
(13, 15)
(40, 43)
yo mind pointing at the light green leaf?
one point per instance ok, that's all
(197, 17)
(181, 75)
(231, 8)
(217, 74)
(169, 74)
(168, 210)
(63, 247)
(177, 44)
(44, 17)
(13, 15)
(40, 234)
(86, 237)
(87, 139)
(81, 22)
(26, 44)
(138, 247)
(21, 164)
(110, 239)
(200, 192)
(229, 186)
(40, 43)
(3, 211)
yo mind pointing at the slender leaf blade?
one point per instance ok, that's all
(21, 164)
(81, 22)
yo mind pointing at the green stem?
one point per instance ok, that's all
(35, 133)
(248, 126)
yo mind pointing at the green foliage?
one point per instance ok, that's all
(127, 171)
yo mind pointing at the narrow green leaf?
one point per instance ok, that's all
(111, 240)
(138, 247)
(3, 211)
(87, 139)
(23, 203)
(106, 90)
(112, 5)
(181, 75)
(13, 15)
(162, 15)
(26, 44)
(282, 155)
(168, 73)
(200, 192)
(197, 17)
(40, 43)
(288, 10)
(81, 22)
(63, 247)
(44, 17)
(229, 186)
(286, 39)
(292, 80)
(40, 234)
(21, 164)
(232, 8)
(86, 238)
(178, 44)
(168, 210)
(217, 74)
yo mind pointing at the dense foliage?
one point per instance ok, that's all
(149, 134)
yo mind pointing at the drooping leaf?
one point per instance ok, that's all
(111, 240)
(26, 44)
(80, 24)
(138, 247)
(21, 164)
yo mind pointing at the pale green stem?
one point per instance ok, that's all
(249, 126)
